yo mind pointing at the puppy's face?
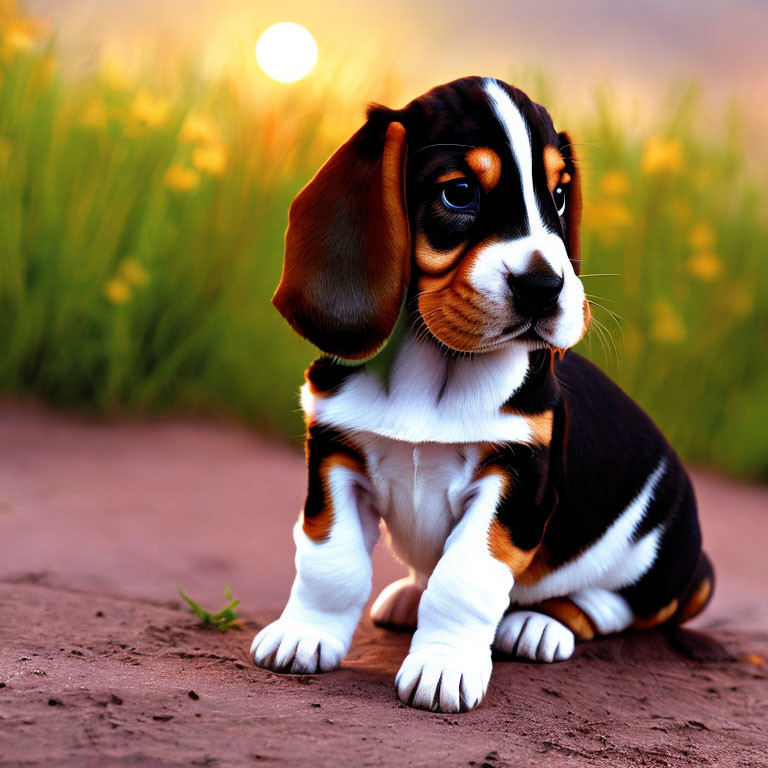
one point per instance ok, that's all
(488, 194)
(465, 204)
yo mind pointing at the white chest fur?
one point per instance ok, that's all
(431, 397)
(421, 491)
(422, 434)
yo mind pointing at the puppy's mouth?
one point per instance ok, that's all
(528, 330)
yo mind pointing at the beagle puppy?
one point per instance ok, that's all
(435, 260)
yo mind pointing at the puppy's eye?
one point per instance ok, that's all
(558, 195)
(459, 195)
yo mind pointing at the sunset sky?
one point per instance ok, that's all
(419, 43)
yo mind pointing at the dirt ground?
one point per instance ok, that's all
(101, 665)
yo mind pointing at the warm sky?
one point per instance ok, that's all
(634, 43)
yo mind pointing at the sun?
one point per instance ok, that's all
(286, 52)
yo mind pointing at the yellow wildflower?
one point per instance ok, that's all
(667, 326)
(702, 237)
(181, 179)
(211, 159)
(705, 266)
(199, 128)
(615, 184)
(608, 219)
(133, 272)
(150, 110)
(118, 291)
(613, 215)
(18, 33)
(114, 73)
(16, 39)
(95, 114)
(662, 156)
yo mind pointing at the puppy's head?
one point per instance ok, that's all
(467, 201)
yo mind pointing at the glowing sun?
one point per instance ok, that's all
(286, 52)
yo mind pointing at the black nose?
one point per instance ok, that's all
(536, 290)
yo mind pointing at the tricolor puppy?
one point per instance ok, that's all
(435, 260)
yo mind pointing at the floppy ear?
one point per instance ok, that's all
(574, 204)
(347, 247)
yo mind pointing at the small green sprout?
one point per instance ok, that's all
(224, 620)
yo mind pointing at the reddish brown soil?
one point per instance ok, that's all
(100, 665)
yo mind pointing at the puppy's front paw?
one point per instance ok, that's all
(298, 648)
(443, 679)
(534, 636)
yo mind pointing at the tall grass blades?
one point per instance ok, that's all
(141, 235)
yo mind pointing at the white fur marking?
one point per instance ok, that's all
(412, 410)
(333, 581)
(609, 612)
(520, 143)
(612, 562)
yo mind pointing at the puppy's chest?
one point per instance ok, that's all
(421, 491)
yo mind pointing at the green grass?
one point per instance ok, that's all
(224, 620)
(121, 291)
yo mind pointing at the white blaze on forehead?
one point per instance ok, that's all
(520, 143)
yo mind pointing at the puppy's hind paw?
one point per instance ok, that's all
(296, 648)
(398, 604)
(534, 636)
(442, 679)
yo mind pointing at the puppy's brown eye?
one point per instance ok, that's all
(460, 195)
(558, 195)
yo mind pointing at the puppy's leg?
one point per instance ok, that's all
(547, 631)
(334, 539)
(398, 604)
(449, 663)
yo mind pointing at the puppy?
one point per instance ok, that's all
(435, 259)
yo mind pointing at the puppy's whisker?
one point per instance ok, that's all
(613, 315)
(605, 330)
(602, 274)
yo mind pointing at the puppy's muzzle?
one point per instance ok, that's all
(537, 289)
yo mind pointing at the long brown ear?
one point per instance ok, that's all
(574, 203)
(347, 247)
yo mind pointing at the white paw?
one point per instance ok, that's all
(531, 635)
(295, 647)
(398, 604)
(443, 679)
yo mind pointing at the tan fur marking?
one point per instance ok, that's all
(486, 165)
(568, 613)
(434, 262)
(586, 311)
(540, 424)
(499, 542)
(696, 603)
(537, 570)
(658, 618)
(451, 308)
(318, 527)
(516, 559)
(554, 164)
(449, 177)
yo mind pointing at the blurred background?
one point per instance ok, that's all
(147, 162)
